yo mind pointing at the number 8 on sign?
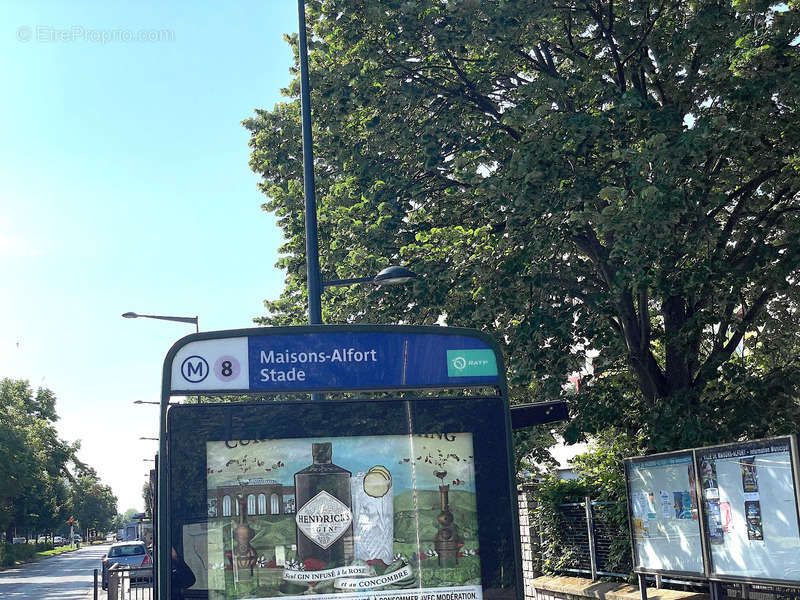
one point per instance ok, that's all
(227, 368)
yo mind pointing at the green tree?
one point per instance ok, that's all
(613, 175)
(149, 493)
(33, 459)
(94, 505)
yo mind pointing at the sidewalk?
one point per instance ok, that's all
(101, 594)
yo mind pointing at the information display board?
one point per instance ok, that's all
(663, 512)
(750, 508)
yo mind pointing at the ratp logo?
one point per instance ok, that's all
(471, 363)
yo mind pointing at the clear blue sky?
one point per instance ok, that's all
(125, 186)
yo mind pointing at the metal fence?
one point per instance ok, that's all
(130, 583)
(586, 536)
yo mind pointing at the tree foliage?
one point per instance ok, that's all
(94, 505)
(619, 176)
(38, 490)
(33, 459)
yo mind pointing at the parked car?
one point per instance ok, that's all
(58, 541)
(42, 539)
(18, 540)
(77, 538)
(130, 554)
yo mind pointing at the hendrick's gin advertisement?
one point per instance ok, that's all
(379, 517)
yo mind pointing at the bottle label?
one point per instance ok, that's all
(324, 519)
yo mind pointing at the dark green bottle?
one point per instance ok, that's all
(324, 512)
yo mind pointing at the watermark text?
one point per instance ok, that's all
(78, 33)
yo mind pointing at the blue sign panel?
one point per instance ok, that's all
(298, 359)
(368, 360)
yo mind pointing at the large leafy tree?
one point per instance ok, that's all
(618, 176)
(33, 459)
(94, 504)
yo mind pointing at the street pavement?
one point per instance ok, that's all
(67, 576)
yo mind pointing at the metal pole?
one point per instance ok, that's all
(642, 585)
(312, 246)
(717, 590)
(590, 526)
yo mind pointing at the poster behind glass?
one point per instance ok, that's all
(391, 516)
(750, 508)
(665, 525)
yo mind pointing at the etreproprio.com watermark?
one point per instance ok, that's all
(78, 33)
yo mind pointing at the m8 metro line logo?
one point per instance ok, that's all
(194, 369)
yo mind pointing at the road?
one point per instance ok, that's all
(68, 576)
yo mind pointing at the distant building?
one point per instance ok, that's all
(264, 497)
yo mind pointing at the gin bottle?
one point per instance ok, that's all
(324, 516)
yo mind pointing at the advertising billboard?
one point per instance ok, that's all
(749, 502)
(390, 499)
(664, 516)
(335, 516)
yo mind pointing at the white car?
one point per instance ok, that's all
(58, 541)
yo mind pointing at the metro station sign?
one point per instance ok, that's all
(327, 358)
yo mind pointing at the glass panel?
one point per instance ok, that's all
(663, 509)
(750, 509)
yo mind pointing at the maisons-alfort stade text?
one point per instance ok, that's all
(286, 357)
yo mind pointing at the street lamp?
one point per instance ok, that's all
(195, 320)
(145, 402)
(149, 438)
(388, 276)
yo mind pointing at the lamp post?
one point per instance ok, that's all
(309, 190)
(195, 320)
(388, 276)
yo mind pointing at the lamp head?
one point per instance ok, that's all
(130, 315)
(394, 276)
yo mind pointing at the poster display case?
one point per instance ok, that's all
(750, 510)
(379, 499)
(663, 512)
(727, 513)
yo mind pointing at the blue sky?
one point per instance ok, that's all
(125, 186)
